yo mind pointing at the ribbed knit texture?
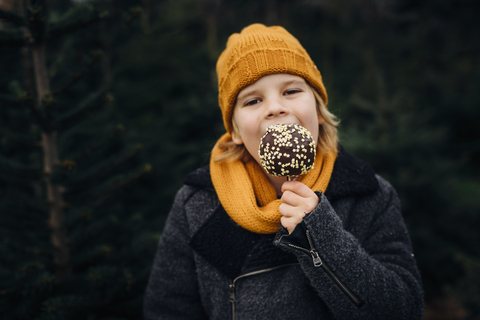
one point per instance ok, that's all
(249, 198)
(258, 51)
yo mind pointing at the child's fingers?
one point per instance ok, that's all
(287, 210)
(297, 201)
(298, 188)
(289, 223)
(292, 199)
(299, 195)
(291, 216)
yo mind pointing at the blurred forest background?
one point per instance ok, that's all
(106, 105)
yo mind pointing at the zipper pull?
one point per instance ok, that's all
(317, 262)
(232, 292)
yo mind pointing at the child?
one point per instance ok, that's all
(242, 244)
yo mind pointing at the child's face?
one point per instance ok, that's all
(273, 99)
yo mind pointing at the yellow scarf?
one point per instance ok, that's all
(249, 198)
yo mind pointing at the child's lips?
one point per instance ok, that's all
(281, 123)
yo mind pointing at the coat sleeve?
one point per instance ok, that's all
(373, 261)
(172, 291)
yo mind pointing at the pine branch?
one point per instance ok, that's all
(24, 100)
(45, 112)
(15, 180)
(29, 250)
(12, 17)
(10, 101)
(11, 167)
(96, 55)
(104, 167)
(75, 217)
(60, 174)
(145, 239)
(67, 26)
(109, 302)
(364, 104)
(109, 187)
(134, 13)
(56, 214)
(15, 38)
(87, 151)
(23, 201)
(19, 139)
(39, 115)
(36, 21)
(84, 110)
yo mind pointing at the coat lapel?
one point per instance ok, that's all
(350, 177)
(234, 250)
(223, 243)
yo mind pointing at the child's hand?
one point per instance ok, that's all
(297, 201)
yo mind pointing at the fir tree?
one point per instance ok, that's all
(402, 77)
(72, 246)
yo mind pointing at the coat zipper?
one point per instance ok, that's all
(317, 262)
(232, 284)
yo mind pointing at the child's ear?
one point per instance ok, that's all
(236, 138)
(320, 119)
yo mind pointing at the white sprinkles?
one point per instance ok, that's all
(287, 150)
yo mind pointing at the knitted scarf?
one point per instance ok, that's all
(249, 198)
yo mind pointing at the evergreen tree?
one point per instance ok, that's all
(75, 243)
(400, 75)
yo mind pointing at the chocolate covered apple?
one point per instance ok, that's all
(287, 150)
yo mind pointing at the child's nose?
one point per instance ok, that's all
(275, 109)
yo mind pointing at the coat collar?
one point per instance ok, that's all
(350, 177)
(234, 250)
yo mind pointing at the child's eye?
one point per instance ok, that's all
(252, 102)
(291, 91)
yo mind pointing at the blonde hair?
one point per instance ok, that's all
(327, 135)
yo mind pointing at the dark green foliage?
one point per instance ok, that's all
(403, 80)
(12, 17)
(75, 18)
(402, 76)
(101, 175)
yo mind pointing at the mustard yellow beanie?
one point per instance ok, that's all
(258, 51)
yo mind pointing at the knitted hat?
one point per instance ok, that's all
(258, 51)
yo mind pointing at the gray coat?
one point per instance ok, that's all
(350, 258)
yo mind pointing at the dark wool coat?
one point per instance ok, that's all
(350, 258)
